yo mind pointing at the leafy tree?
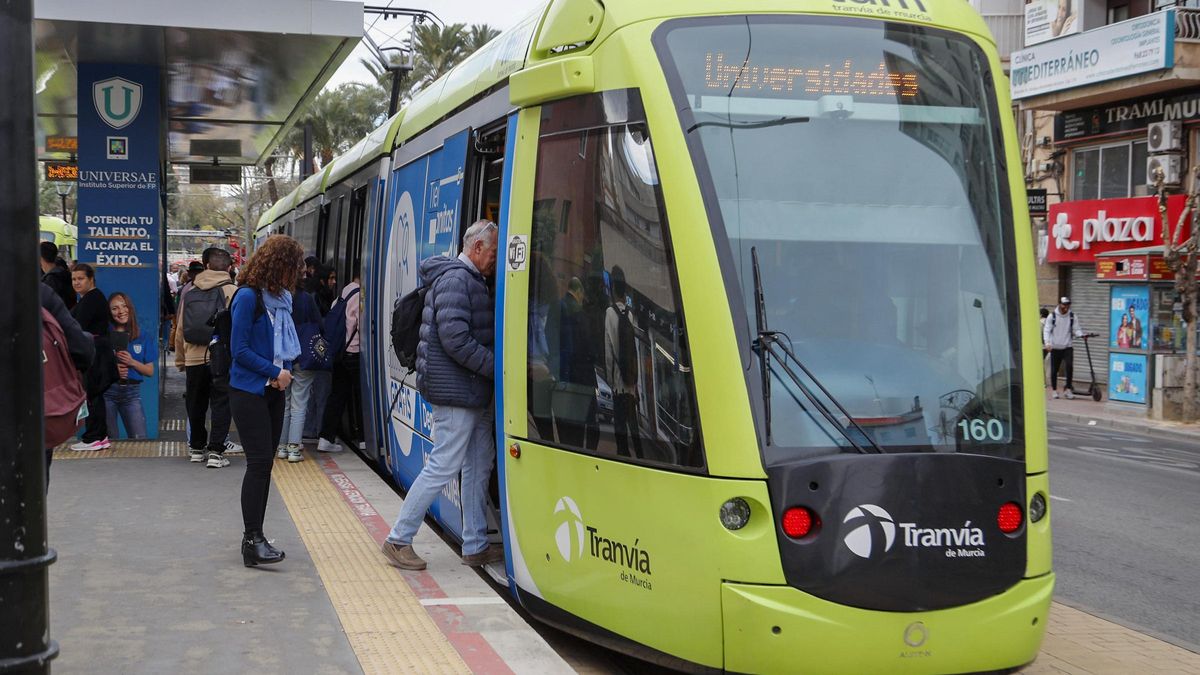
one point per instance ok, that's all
(479, 35)
(1182, 255)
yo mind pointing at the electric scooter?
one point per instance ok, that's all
(1093, 389)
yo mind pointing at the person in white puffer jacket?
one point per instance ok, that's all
(1058, 332)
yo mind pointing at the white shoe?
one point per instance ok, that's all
(101, 444)
(195, 455)
(232, 448)
(293, 453)
(1054, 395)
(325, 446)
(216, 461)
(1069, 394)
(281, 452)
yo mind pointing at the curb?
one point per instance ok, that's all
(1146, 427)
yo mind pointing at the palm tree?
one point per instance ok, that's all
(436, 49)
(479, 35)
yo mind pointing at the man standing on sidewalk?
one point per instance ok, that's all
(1058, 332)
(210, 292)
(455, 361)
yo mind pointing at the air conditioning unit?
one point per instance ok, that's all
(1171, 166)
(1164, 137)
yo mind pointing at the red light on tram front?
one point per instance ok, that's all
(798, 522)
(1010, 517)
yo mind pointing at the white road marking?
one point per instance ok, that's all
(427, 602)
(1059, 499)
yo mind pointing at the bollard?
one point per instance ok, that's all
(25, 644)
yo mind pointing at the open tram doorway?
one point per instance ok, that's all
(483, 188)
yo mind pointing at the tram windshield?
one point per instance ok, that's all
(862, 161)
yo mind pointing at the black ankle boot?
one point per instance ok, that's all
(257, 551)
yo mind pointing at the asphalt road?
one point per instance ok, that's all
(1125, 512)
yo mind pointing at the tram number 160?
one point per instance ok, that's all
(980, 430)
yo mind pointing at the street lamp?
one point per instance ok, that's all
(63, 189)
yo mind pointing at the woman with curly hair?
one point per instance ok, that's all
(263, 343)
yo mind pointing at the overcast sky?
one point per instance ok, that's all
(500, 14)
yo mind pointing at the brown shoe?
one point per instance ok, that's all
(488, 556)
(403, 557)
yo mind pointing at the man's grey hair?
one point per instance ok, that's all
(478, 231)
(220, 260)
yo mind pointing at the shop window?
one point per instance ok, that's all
(609, 367)
(1110, 171)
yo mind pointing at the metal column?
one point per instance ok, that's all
(25, 644)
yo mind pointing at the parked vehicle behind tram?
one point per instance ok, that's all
(761, 400)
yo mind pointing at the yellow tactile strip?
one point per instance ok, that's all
(1079, 643)
(388, 628)
(126, 449)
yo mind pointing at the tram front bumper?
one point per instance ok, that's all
(779, 629)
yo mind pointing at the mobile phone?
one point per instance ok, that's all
(120, 341)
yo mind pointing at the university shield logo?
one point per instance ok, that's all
(118, 101)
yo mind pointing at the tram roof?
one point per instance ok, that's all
(236, 75)
(540, 37)
(373, 146)
(314, 184)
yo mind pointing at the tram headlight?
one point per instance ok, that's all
(735, 513)
(1037, 507)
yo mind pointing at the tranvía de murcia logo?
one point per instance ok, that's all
(867, 523)
(569, 535)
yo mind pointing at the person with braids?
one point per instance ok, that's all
(263, 342)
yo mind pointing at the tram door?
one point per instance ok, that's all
(425, 209)
(604, 452)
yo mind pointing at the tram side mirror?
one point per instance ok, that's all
(835, 107)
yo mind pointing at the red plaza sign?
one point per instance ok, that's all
(1080, 230)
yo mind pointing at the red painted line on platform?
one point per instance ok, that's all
(474, 649)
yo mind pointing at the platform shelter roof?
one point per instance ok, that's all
(236, 75)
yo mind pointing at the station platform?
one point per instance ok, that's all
(149, 579)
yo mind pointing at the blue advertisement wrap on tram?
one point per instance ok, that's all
(425, 212)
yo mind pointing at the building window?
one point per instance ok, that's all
(1110, 171)
(609, 365)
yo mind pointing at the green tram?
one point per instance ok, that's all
(765, 291)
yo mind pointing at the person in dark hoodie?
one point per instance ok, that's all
(92, 314)
(56, 276)
(455, 368)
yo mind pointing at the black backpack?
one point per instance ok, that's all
(406, 327)
(199, 308)
(220, 353)
(627, 359)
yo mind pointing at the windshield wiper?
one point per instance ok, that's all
(767, 342)
(777, 122)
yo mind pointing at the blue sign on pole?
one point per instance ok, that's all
(1127, 377)
(119, 209)
(1129, 317)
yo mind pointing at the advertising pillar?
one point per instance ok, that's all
(119, 208)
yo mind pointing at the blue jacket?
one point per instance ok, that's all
(455, 359)
(252, 341)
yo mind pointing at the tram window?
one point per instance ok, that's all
(609, 368)
(353, 250)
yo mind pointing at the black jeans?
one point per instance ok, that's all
(205, 391)
(259, 420)
(95, 426)
(344, 392)
(625, 425)
(1061, 356)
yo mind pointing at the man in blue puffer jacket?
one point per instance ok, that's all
(455, 367)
